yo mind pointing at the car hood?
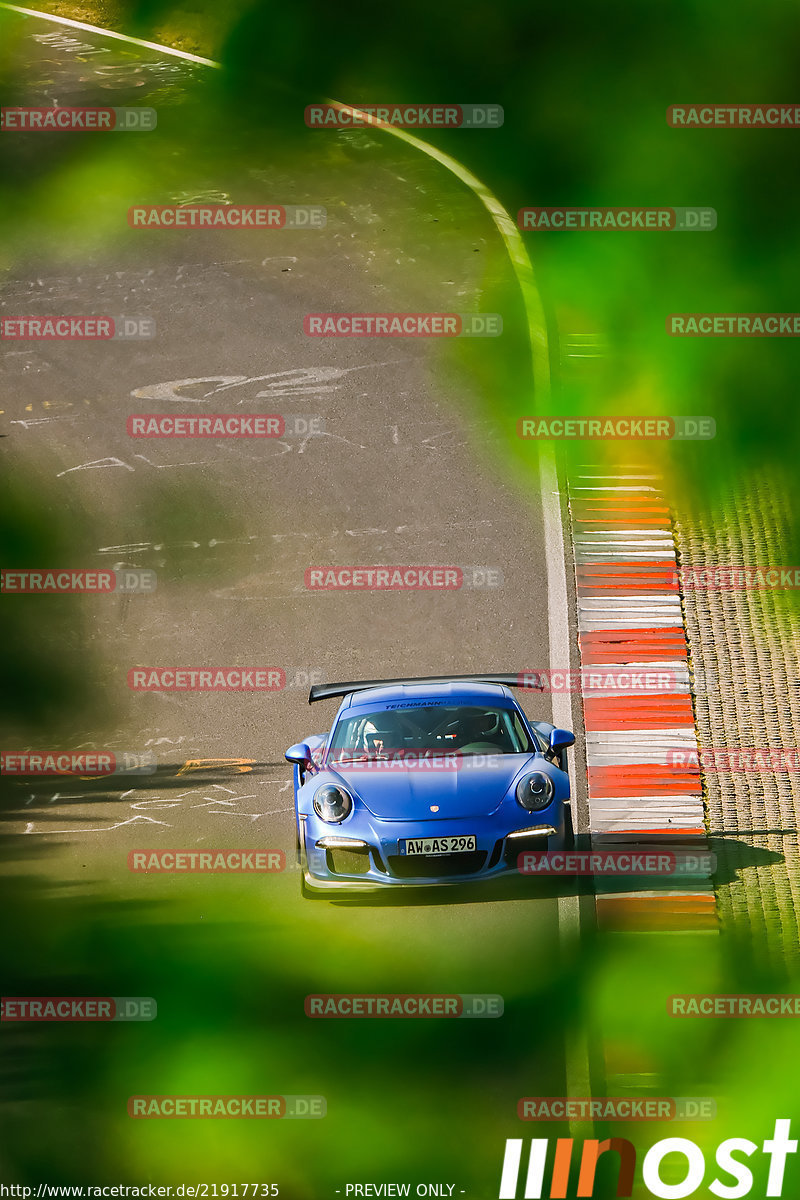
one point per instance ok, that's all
(402, 793)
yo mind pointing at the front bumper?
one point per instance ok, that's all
(363, 859)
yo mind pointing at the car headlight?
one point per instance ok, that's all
(535, 791)
(332, 804)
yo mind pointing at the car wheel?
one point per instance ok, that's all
(569, 832)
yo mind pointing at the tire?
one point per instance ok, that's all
(569, 831)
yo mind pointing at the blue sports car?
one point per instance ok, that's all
(426, 781)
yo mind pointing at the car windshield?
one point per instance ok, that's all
(429, 731)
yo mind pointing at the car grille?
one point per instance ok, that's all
(421, 866)
(498, 850)
(517, 846)
(348, 862)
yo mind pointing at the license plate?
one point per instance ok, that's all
(440, 845)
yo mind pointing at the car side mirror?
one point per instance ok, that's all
(300, 755)
(561, 739)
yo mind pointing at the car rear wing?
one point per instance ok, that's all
(531, 680)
